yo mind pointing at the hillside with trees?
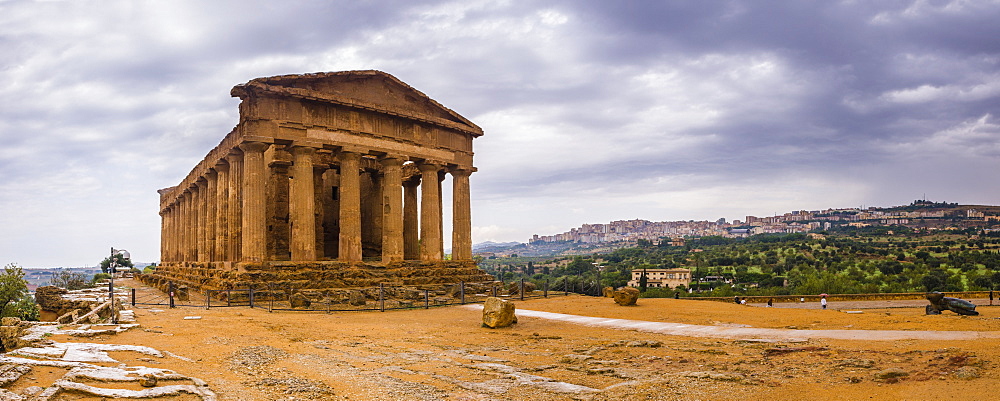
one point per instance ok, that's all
(851, 260)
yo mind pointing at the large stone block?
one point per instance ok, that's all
(626, 296)
(498, 313)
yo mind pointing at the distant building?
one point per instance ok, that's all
(662, 278)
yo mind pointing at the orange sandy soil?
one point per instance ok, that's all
(444, 353)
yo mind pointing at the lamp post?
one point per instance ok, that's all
(111, 285)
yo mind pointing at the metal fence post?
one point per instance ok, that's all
(133, 297)
(427, 299)
(461, 289)
(229, 297)
(381, 296)
(251, 297)
(565, 286)
(170, 292)
(545, 293)
(270, 297)
(208, 299)
(522, 288)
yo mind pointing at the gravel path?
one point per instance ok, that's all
(691, 330)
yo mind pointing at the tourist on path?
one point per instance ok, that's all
(770, 302)
(822, 301)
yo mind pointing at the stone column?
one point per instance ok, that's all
(192, 224)
(321, 163)
(175, 224)
(440, 200)
(202, 210)
(222, 212)
(235, 213)
(276, 209)
(430, 212)
(302, 204)
(168, 244)
(211, 203)
(163, 234)
(254, 226)
(411, 226)
(392, 206)
(461, 234)
(179, 232)
(350, 207)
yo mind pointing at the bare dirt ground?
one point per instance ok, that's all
(444, 354)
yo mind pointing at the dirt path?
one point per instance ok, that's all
(690, 330)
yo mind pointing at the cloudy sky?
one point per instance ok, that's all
(593, 110)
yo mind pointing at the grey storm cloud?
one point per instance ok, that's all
(593, 110)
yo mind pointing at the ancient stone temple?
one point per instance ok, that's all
(329, 180)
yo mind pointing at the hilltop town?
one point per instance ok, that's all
(919, 215)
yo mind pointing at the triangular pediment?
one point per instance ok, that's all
(369, 87)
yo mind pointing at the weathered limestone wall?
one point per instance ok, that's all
(316, 276)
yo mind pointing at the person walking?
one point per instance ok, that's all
(736, 299)
(991, 297)
(822, 301)
(770, 302)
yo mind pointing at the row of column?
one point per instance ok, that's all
(222, 216)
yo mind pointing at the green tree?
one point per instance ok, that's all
(14, 299)
(120, 261)
(936, 280)
(643, 281)
(69, 280)
(578, 266)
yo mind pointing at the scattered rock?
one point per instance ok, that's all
(967, 373)
(644, 343)
(626, 296)
(10, 373)
(857, 363)
(575, 358)
(498, 313)
(356, 298)
(781, 351)
(182, 293)
(729, 377)
(296, 387)
(515, 288)
(299, 301)
(891, 374)
(252, 359)
(147, 380)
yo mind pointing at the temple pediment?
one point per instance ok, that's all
(369, 89)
